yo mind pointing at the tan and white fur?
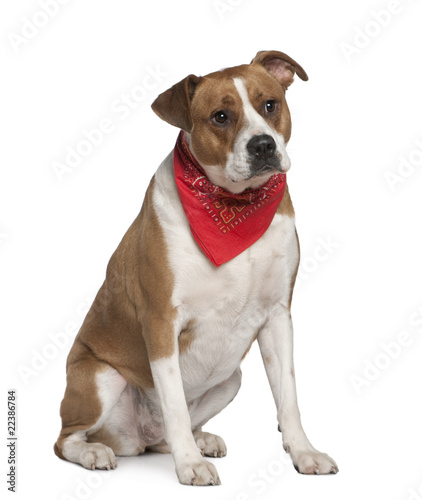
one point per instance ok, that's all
(159, 352)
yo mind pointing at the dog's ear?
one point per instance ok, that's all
(281, 66)
(174, 105)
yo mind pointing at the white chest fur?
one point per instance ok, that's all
(227, 305)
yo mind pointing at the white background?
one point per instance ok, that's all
(353, 122)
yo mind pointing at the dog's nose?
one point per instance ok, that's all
(261, 147)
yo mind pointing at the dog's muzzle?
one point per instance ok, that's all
(262, 154)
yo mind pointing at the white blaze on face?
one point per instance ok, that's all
(238, 167)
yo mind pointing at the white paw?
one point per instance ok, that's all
(198, 473)
(97, 456)
(210, 445)
(313, 462)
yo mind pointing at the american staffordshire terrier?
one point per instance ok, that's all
(206, 268)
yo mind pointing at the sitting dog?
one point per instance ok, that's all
(207, 267)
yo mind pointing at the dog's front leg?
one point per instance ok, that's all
(276, 345)
(191, 467)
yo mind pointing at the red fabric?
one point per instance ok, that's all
(223, 224)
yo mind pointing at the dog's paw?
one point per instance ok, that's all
(97, 456)
(198, 473)
(313, 462)
(210, 445)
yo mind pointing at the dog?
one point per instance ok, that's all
(207, 267)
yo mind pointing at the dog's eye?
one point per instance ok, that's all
(220, 117)
(270, 106)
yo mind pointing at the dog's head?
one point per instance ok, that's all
(237, 119)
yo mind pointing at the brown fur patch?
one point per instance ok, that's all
(293, 278)
(131, 319)
(186, 336)
(130, 322)
(81, 406)
(210, 142)
(286, 206)
(173, 105)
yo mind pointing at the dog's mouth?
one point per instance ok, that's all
(259, 169)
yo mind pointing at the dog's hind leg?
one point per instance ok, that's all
(92, 390)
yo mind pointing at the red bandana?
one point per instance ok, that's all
(223, 224)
